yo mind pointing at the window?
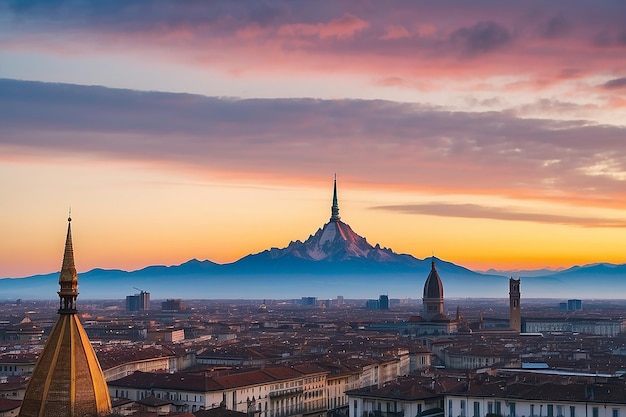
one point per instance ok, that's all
(550, 410)
(462, 408)
(498, 407)
(490, 407)
(512, 409)
(559, 411)
(572, 411)
(616, 412)
(595, 412)
(476, 409)
(532, 410)
(450, 408)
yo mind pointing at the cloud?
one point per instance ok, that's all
(481, 38)
(375, 141)
(396, 32)
(398, 39)
(475, 211)
(555, 27)
(344, 27)
(617, 83)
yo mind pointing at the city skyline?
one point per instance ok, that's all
(488, 134)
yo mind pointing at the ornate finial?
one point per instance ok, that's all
(334, 210)
(69, 214)
(68, 278)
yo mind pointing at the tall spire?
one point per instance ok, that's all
(68, 278)
(67, 379)
(334, 210)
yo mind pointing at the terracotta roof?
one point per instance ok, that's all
(120, 401)
(309, 368)
(219, 412)
(177, 381)
(406, 389)
(244, 378)
(7, 404)
(152, 401)
(282, 372)
(19, 358)
(114, 356)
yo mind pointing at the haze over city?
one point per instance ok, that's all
(488, 133)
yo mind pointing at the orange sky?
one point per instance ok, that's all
(492, 137)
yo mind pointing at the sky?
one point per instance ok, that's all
(490, 134)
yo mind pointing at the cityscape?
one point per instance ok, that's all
(278, 208)
(310, 357)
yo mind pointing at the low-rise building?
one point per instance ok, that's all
(539, 398)
(595, 326)
(269, 392)
(404, 397)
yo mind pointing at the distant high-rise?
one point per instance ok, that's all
(175, 305)
(309, 301)
(383, 302)
(515, 313)
(67, 380)
(138, 302)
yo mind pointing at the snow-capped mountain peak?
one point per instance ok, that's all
(336, 241)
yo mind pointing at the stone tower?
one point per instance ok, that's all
(515, 313)
(67, 380)
(433, 294)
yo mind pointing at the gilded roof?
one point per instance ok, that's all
(67, 380)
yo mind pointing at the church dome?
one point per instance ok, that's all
(433, 287)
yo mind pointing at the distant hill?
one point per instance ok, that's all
(333, 261)
(521, 272)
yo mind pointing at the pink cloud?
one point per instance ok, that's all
(395, 32)
(426, 30)
(376, 142)
(544, 44)
(343, 27)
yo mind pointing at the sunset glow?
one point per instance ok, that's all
(489, 133)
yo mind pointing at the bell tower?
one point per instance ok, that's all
(515, 314)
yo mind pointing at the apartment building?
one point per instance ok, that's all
(269, 392)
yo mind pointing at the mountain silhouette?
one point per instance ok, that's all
(333, 261)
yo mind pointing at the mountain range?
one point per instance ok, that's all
(333, 261)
